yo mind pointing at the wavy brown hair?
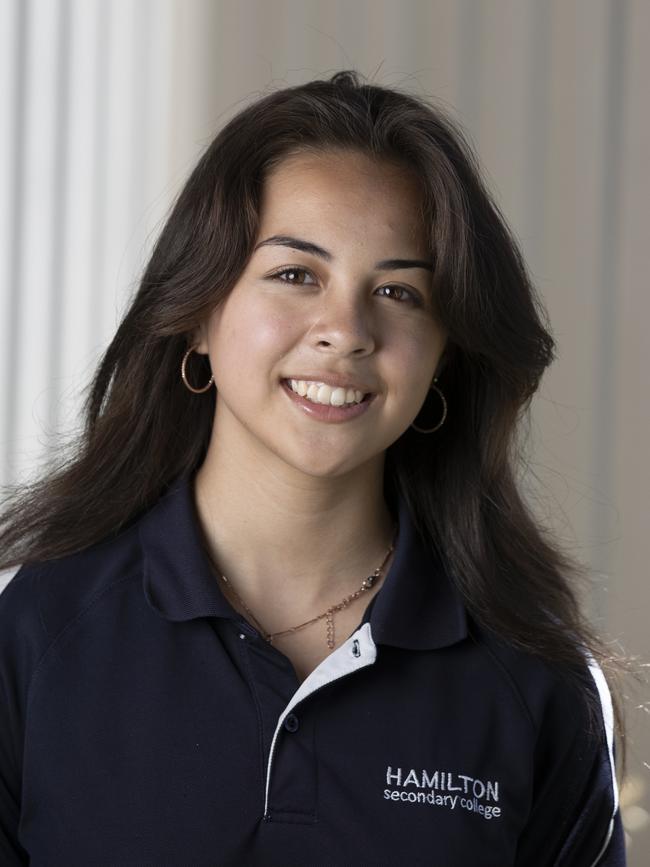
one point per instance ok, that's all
(142, 428)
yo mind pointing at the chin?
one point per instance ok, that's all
(326, 464)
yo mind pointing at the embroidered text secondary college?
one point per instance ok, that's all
(461, 790)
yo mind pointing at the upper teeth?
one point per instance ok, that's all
(319, 392)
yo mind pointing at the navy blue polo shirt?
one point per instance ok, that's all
(144, 721)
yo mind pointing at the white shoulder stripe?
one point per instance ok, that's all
(7, 574)
(608, 720)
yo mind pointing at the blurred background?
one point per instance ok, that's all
(107, 104)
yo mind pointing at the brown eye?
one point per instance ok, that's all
(413, 298)
(294, 271)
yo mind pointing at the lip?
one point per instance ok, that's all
(325, 412)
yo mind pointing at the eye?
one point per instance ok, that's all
(278, 274)
(412, 299)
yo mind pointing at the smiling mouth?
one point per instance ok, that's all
(366, 397)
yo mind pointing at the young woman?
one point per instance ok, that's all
(283, 603)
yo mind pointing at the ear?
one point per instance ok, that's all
(198, 339)
(444, 359)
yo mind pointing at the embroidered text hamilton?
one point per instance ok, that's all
(460, 790)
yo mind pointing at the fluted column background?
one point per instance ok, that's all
(106, 105)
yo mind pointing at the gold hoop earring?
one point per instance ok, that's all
(184, 377)
(444, 411)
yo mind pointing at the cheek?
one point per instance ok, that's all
(268, 333)
(416, 359)
(251, 333)
(418, 352)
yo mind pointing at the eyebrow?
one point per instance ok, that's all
(315, 250)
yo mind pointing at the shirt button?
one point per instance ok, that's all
(247, 631)
(291, 722)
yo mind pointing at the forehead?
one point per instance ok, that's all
(344, 190)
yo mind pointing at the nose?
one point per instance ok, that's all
(344, 326)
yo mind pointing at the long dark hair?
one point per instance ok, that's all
(142, 427)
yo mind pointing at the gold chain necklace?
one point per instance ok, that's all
(366, 584)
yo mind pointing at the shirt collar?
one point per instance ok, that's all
(416, 608)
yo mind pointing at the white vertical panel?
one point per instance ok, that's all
(78, 272)
(156, 166)
(36, 234)
(112, 219)
(84, 177)
(120, 150)
(10, 107)
(208, 39)
(9, 72)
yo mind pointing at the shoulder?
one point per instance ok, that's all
(574, 814)
(548, 693)
(42, 599)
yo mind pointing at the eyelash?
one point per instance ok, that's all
(415, 300)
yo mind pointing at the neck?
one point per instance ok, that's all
(292, 544)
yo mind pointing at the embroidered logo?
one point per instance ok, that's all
(444, 789)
